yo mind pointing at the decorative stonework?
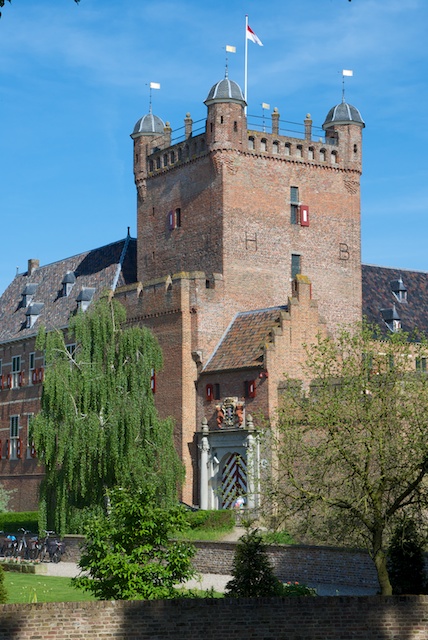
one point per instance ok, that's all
(352, 186)
(230, 414)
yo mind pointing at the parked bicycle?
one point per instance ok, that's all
(51, 548)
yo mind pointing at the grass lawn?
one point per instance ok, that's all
(28, 587)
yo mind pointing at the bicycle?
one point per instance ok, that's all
(54, 549)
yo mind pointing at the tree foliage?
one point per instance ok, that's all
(406, 560)
(252, 572)
(130, 555)
(98, 426)
(351, 454)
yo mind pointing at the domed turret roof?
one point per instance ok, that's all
(343, 113)
(148, 125)
(225, 91)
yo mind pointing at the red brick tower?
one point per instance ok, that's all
(226, 219)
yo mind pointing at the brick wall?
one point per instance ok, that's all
(304, 563)
(342, 618)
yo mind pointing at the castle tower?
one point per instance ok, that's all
(227, 218)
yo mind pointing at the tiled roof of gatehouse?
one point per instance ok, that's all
(243, 344)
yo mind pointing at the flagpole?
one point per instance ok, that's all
(246, 62)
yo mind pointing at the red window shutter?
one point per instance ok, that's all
(2, 382)
(7, 450)
(9, 380)
(21, 380)
(209, 392)
(1, 449)
(33, 450)
(34, 376)
(41, 374)
(250, 389)
(19, 448)
(304, 215)
(153, 381)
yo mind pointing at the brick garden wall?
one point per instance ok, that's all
(342, 618)
(306, 564)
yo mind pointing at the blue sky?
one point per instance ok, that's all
(74, 80)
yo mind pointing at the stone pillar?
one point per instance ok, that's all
(275, 122)
(188, 125)
(252, 466)
(167, 134)
(204, 447)
(308, 127)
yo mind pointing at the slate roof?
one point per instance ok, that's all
(244, 341)
(107, 267)
(378, 298)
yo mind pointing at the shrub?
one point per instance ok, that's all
(12, 522)
(406, 566)
(223, 519)
(297, 589)
(252, 571)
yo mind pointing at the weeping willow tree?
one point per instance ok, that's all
(98, 427)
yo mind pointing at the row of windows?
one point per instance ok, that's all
(13, 447)
(16, 377)
(288, 150)
(171, 157)
(212, 391)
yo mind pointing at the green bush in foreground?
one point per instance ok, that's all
(223, 519)
(131, 554)
(252, 572)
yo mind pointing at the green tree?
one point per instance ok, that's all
(252, 572)
(351, 453)
(406, 559)
(98, 427)
(130, 554)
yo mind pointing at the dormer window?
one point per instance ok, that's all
(28, 294)
(399, 290)
(32, 313)
(84, 298)
(67, 283)
(391, 319)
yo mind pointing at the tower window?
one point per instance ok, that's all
(294, 205)
(299, 151)
(311, 153)
(295, 265)
(158, 162)
(151, 165)
(275, 146)
(221, 119)
(235, 126)
(165, 160)
(287, 149)
(263, 144)
(322, 155)
(421, 364)
(251, 142)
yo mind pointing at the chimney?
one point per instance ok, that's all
(33, 264)
(275, 122)
(188, 122)
(308, 127)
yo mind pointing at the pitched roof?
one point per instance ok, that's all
(101, 269)
(379, 285)
(244, 341)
